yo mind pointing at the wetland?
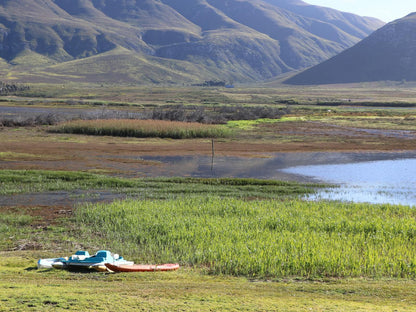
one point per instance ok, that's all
(231, 210)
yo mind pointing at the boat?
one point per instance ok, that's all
(48, 263)
(82, 260)
(115, 267)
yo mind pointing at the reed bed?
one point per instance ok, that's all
(260, 238)
(143, 128)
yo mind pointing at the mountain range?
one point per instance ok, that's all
(169, 41)
(387, 54)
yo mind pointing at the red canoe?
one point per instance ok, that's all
(142, 267)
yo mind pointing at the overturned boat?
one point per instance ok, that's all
(115, 267)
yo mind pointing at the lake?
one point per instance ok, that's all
(382, 182)
(374, 177)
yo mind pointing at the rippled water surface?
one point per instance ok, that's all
(382, 181)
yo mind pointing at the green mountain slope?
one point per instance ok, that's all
(191, 40)
(387, 54)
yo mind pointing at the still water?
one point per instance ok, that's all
(383, 181)
(362, 177)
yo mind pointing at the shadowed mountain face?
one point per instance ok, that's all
(387, 54)
(180, 40)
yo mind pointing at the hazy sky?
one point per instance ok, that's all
(386, 10)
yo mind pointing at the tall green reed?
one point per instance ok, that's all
(260, 238)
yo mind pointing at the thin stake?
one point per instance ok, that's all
(213, 154)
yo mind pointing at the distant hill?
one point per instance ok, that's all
(387, 54)
(169, 41)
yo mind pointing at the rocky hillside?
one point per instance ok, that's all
(169, 40)
(387, 54)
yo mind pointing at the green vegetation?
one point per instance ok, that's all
(249, 124)
(262, 239)
(24, 289)
(200, 221)
(143, 129)
(14, 229)
(216, 224)
(10, 155)
(404, 122)
(32, 181)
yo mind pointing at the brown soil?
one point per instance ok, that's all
(29, 149)
(36, 149)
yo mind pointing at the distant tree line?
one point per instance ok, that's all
(6, 88)
(213, 83)
(187, 113)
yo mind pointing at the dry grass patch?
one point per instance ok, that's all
(143, 128)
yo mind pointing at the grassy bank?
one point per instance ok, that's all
(248, 227)
(13, 182)
(24, 289)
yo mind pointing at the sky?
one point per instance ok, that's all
(386, 10)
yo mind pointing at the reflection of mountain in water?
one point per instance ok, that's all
(261, 168)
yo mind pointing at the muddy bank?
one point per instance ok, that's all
(271, 167)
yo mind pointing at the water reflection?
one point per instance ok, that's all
(363, 177)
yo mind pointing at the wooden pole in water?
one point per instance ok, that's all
(213, 154)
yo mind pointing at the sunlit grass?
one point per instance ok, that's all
(260, 238)
(249, 124)
(22, 288)
(6, 156)
(143, 128)
(14, 227)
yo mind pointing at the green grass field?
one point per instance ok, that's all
(14, 182)
(260, 239)
(22, 288)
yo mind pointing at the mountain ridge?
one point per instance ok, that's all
(235, 40)
(385, 55)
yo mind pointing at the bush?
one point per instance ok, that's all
(216, 115)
